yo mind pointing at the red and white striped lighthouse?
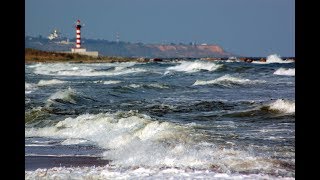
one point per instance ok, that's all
(78, 36)
(78, 49)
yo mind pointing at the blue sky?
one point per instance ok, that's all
(243, 27)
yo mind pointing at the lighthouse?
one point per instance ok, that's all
(78, 49)
(78, 34)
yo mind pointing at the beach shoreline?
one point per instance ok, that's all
(38, 56)
(35, 162)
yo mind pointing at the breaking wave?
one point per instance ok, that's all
(29, 87)
(108, 172)
(132, 139)
(285, 72)
(273, 58)
(284, 106)
(108, 82)
(228, 81)
(50, 82)
(106, 69)
(68, 95)
(195, 66)
(34, 115)
(152, 85)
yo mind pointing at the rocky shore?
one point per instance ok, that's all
(35, 56)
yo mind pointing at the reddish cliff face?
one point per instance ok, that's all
(211, 48)
(166, 47)
(188, 51)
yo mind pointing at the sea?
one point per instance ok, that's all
(174, 119)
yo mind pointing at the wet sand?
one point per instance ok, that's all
(34, 162)
(39, 153)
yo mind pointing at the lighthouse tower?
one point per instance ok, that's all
(78, 38)
(78, 49)
(78, 31)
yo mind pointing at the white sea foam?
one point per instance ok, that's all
(285, 72)
(231, 61)
(109, 172)
(37, 145)
(29, 87)
(50, 82)
(62, 155)
(158, 85)
(34, 65)
(135, 85)
(27, 100)
(194, 66)
(74, 141)
(92, 72)
(152, 85)
(273, 58)
(111, 82)
(108, 82)
(228, 80)
(65, 69)
(134, 139)
(284, 106)
(67, 95)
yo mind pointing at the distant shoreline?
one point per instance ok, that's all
(39, 56)
(73, 61)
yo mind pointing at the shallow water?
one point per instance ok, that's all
(182, 119)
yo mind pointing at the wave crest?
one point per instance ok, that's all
(64, 96)
(107, 69)
(285, 72)
(132, 139)
(195, 66)
(228, 81)
(108, 82)
(273, 58)
(50, 82)
(284, 106)
(147, 86)
(109, 172)
(29, 87)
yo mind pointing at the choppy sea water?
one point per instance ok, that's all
(176, 119)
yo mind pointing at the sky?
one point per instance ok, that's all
(242, 27)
